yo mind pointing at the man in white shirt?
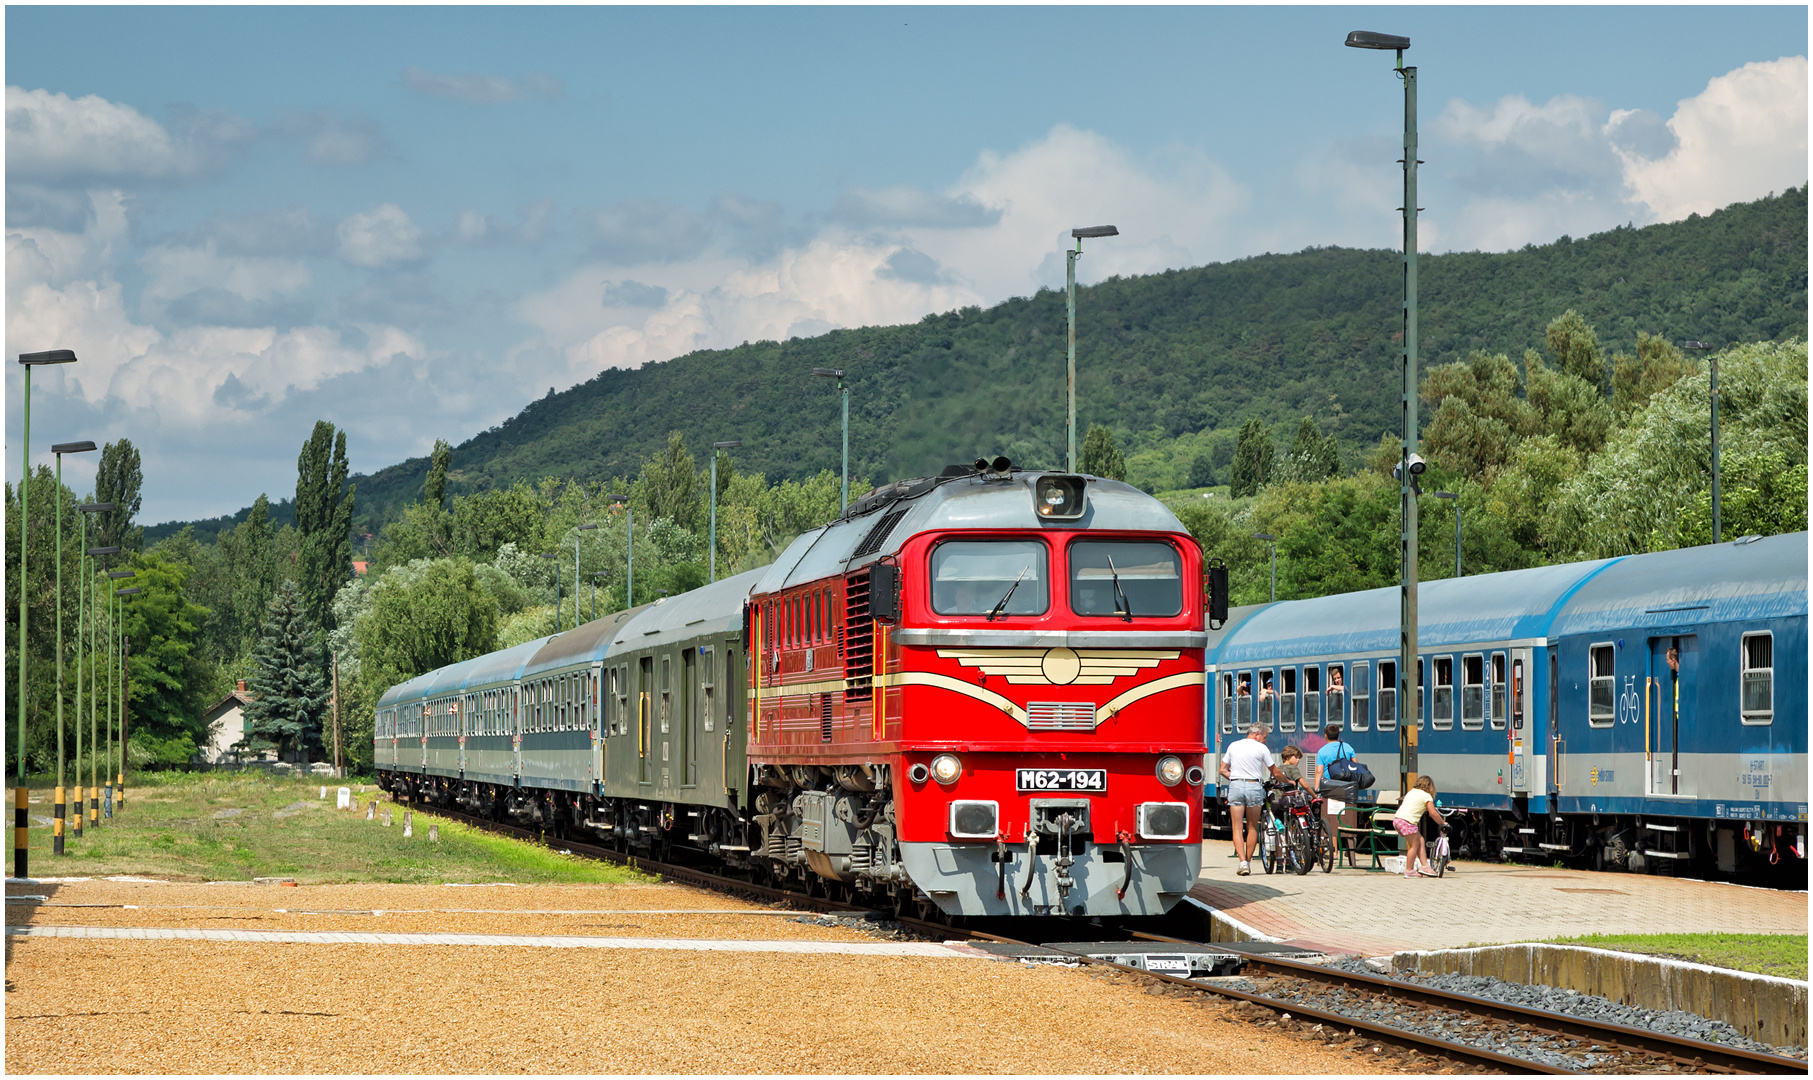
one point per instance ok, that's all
(1244, 766)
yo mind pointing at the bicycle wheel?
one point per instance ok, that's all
(1269, 854)
(1325, 848)
(1301, 845)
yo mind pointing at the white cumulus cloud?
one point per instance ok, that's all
(379, 237)
(1743, 136)
(54, 137)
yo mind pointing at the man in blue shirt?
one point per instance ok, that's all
(1332, 749)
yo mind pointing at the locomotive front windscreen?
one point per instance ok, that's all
(990, 577)
(1125, 578)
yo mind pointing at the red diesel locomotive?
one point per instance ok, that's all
(981, 693)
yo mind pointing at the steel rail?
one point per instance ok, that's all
(1700, 1055)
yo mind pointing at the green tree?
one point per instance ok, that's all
(434, 490)
(1312, 456)
(1478, 415)
(1100, 456)
(324, 509)
(670, 487)
(1568, 407)
(289, 695)
(167, 671)
(486, 521)
(423, 617)
(1577, 349)
(1635, 379)
(1252, 459)
(117, 480)
(1639, 494)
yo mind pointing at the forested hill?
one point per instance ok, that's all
(1160, 355)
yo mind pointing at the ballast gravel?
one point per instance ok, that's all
(1552, 999)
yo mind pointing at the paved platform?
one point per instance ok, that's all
(930, 950)
(1375, 913)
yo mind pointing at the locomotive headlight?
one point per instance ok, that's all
(946, 768)
(1170, 770)
(1059, 497)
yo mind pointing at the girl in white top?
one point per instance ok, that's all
(1408, 820)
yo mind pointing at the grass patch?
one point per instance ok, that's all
(236, 826)
(1766, 954)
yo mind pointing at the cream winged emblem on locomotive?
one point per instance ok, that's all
(1059, 666)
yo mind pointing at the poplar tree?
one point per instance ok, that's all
(1252, 459)
(117, 481)
(324, 520)
(287, 691)
(1100, 456)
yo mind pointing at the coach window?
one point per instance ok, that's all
(1337, 694)
(1312, 700)
(1243, 702)
(666, 691)
(1227, 703)
(1497, 712)
(1388, 695)
(708, 685)
(1759, 678)
(1124, 578)
(1267, 712)
(1421, 692)
(1602, 686)
(1441, 712)
(990, 577)
(1287, 700)
(1472, 693)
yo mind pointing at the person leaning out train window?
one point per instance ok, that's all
(1409, 821)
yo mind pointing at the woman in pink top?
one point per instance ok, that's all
(1408, 821)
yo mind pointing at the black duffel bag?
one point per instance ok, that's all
(1338, 790)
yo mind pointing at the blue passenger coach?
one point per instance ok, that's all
(1646, 712)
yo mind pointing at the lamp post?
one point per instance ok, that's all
(125, 685)
(1070, 258)
(1713, 371)
(1273, 541)
(838, 374)
(733, 444)
(1407, 767)
(21, 794)
(576, 532)
(115, 708)
(60, 810)
(1456, 498)
(629, 534)
(596, 574)
(92, 601)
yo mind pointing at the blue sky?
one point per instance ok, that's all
(412, 221)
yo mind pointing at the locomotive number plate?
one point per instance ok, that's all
(1061, 779)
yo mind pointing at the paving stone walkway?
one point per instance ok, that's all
(1374, 913)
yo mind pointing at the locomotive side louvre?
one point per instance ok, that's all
(1544, 694)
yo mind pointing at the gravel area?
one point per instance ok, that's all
(189, 1007)
(627, 910)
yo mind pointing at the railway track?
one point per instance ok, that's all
(1296, 989)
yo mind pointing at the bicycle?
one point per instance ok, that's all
(1292, 837)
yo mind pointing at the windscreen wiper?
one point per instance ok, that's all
(996, 610)
(1122, 606)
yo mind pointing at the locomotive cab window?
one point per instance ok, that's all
(984, 577)
(1758, 678)
(1602, 686)
(1125, 578)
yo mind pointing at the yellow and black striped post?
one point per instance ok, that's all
(76, 815)
(56, 824)
(21, 797)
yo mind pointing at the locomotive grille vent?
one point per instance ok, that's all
(1060, 716)
(879, 534)
(859, 641)
(824, 717)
